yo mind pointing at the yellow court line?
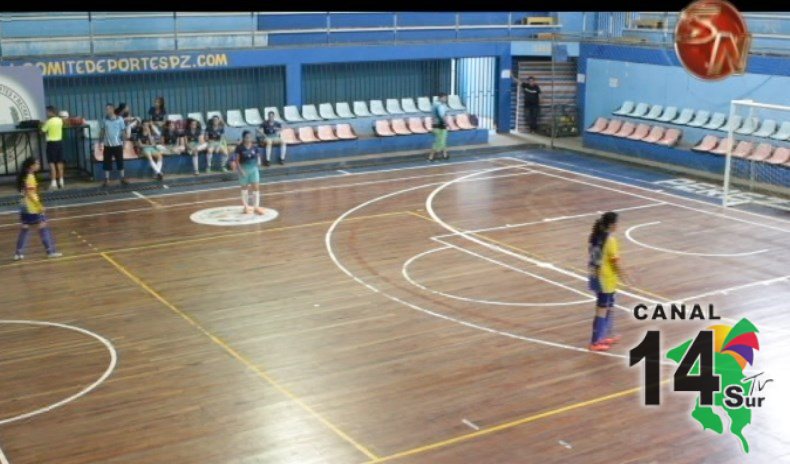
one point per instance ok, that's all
(507, 425)
(239, 357)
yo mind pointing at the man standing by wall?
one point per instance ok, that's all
(112, 135)
(440, 127)
(531, 102)
(53, 128)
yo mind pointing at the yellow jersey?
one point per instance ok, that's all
(607, 273)
(54, 129)
(30, 202)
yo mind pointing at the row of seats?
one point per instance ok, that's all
(629, 130)
(392, 127)
(705, 120)
(325, 111)
(745, 149)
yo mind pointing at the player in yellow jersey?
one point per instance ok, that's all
(32, 211)
(605, 271)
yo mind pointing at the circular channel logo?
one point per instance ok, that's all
(712, 40)
(231, 216)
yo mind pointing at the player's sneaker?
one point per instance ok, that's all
(260, 211)
(600, 346)
(18, 257)
(611, 340)
(54, 255)
(247, 210)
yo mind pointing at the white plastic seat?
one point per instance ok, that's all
(377, 108)
(361, 109)
(291, 114)
(197, 117)
(685, 116)
(766, 129)
(175, 117)
(94, 128)
(310, 113)
(424, 104)
(393, 106)
(344, 110)
(235, 119)
(640, 110)
(783, 133)
(625, 109)
(211, 114)
(326, 111)
(253, 117)
(272, 109)
(670, 113)
(716, 121)
(700, 119)
(654, 112)
(408, 105)
(734, 123)
(454, 103)
(749, 126)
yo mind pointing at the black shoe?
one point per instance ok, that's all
(446, 157)
(266, 163)
(124, 181)
(105, 184)
(430, 158)
(282, 161)
(160, 177)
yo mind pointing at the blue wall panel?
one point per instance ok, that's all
(215, 23)
(426, 19)
(482, 33)
(421, 35)
(152, 25)
(479, 19)
(305, 38)
(361, 19)
(368, 37)
(291, 21)
(49, 28)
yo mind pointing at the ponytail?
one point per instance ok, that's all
(601, 227)
(24, 170)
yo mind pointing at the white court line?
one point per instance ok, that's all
(631, 229)
(726, 291)
(3, 459)
(345, 173)
(447, 246)
(336, 261)
(84, 391)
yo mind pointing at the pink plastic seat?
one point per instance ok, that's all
(598, 126)
(743, 149)
(428, 123)
(625, 130)
(416, 126)
(762, 152)
(671, 138)
(656, 133)
(640, 132)
(399, 127)
(326, 134)
(345, 132)
(451, 125)
(613, 126)
(463, 122)
(288, 136)
(307, 135)
(781, 156)
(382, 128)
(708, 143)
(723, 147)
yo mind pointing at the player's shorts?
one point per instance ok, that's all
(151, 151)
(54, 152)
(31, 219)
(196, 146)
(217, 144)
(272, 139)
(251, 175)
(604, 300)
(440, 142)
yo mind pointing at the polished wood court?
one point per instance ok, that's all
(426, 315)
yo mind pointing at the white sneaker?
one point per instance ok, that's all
(53, 184)
(19, 257)
(54, 255)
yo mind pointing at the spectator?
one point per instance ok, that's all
(111, 143)
(173, 138)
(196, 142)
(270, 129)
(531, 102)
(53, 127)
(133, 123)
(158, 113)
(150, 146)
(440, 127)
(215, 135)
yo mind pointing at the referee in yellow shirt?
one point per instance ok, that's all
(54, 130)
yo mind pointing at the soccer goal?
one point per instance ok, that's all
(757, 167)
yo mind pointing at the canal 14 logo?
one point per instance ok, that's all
(711, 364)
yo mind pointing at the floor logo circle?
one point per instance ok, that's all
(231, 216)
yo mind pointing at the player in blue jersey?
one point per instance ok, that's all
(245, 161)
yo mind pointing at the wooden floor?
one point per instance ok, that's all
(368, 324)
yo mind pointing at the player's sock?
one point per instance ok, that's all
(609, 324)
(195, 163)
(62, 183)
(282, 151)
(268, 152)
(598, 329)
(153, 165)
(209, 157)
(244, 199)
(47, 240)
(257, 196)
(21, 241)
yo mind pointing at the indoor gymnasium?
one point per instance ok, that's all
(408, 237)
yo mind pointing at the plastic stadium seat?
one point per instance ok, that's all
(416, 126)
(393, 106)
(451, 125)
(345, 132)
(762, 152)
(598, 126)
(781, 156)
(671, 138)
(749, 126)
(174, 117)
(399, 127)
(639, 133)
(783, 133)
(253, 117)
(743, 149)
(361, 109)
(235, 119)
(326, 111)
(723, 147)
(626, 129)
(272, 109)
(670, 113)
(408, 105)
(700, 119)
(463, 122)
(625, 109)
(733, 124)
(326, 134)
(344, 111)
(288, 136)
(291, 114)
(641, 110)
(656, 133)
(766, 129)
(307, 134)
(685, 116)
(613, 126)
(708, 143)
(382, 128)
(716, 121)
(310, 113)
(197, 117)
(655, 112)
(377, 108)
(454, 103)
(211, 114)
(428, 121)
(424, 104)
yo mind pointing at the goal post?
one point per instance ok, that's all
(757, 164)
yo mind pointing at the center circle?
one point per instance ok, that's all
(232, 216)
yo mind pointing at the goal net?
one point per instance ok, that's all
(757, 144)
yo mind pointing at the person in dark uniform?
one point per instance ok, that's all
(531, 102)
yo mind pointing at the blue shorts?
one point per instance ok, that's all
(31, 219)
(603, 300)
(251, 174)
